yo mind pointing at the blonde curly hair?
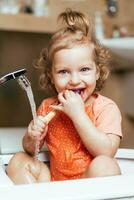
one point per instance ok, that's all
(76, 31)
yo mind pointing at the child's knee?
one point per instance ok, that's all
(23, 168)
(103, 166)
(16, 162)
(44, 175)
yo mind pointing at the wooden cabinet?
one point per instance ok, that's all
(27, 23)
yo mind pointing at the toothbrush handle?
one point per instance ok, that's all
(50, 116)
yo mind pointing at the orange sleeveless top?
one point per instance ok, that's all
(68, 156)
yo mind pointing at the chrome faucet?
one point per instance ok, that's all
(12, 75)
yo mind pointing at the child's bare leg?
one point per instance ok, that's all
(102, 166)
(23, 169)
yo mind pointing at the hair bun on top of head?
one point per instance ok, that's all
(74, 20)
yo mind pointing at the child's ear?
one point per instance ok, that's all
(97, 73)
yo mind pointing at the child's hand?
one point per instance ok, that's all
(71, 103)
(37, 128)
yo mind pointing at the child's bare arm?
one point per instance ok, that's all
(96, 141)
(29, 144)
(36, 129)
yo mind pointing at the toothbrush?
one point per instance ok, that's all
(50, 116)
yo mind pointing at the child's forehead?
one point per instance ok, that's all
(76, 55)
(88, 46)
(75, 48)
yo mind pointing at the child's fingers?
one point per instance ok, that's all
(69, 94)
(35, 133)
(44, 133)
(61, 98)
(36, 128)
(41, 121)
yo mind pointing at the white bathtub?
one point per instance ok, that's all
(114, 187)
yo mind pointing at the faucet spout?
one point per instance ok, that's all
(12, 75)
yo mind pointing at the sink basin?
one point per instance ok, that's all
(122, 47)
(123, 61)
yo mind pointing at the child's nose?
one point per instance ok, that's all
(75, 79)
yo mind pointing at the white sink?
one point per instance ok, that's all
(122, 47)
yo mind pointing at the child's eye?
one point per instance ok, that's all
(85, 69)
(62, 71)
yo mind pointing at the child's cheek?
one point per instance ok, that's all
(60, 85)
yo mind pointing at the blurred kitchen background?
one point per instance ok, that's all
(25, 28)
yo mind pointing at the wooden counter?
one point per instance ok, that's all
(27, 23)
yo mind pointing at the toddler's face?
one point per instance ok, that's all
(74, 69)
